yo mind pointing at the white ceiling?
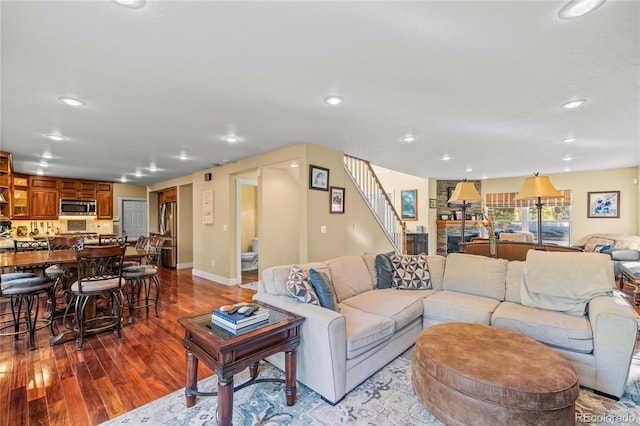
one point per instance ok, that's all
(481, 81)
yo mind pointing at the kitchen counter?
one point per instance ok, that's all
(6, 244)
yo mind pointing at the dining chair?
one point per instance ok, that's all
(99, 279)
(142, 243)
(30, 245)
(58, 274)
(108, 240)
(24, 290)
(144, 277)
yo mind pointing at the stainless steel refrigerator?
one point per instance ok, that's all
(169, 230)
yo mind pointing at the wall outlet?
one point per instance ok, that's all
(213, 262)
(323, 229)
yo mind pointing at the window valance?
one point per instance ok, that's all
(506, 199)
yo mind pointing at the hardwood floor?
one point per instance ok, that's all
(56, 385)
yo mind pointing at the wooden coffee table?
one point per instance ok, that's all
(228, 354)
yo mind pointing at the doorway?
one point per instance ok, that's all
(133, 218)
(247, 230)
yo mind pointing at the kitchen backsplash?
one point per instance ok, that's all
(27, 228)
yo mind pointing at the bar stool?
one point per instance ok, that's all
(99, 275)
(24, 290)
(55, 272)
(144, 276)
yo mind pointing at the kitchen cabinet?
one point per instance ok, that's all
(104, 199)
(5, 184)
(20, 196)
(73, 189)
(170, 194)
(43, 197)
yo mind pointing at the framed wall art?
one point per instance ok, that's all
(605, 204)
(318, 178)
(409, 204)
(336, 200)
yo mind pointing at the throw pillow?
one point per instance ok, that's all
(299, 287)
(324, 290)
(384, 270)
(410, 272)
(594, 241)
(600, 248)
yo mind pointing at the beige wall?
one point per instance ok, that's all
(185, 226)
(582, 182)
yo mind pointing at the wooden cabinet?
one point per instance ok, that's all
(417, 243)
(43, 197)
(170, 194)
(5, 185)
(73, 189)
(20, 196)
(104, 201)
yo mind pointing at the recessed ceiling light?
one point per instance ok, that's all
(567, 170)
(231, 138)
(577, 8)
(333, 100)
(183, 156)
(468, 169)
(47, 155)
(72, 101)
(574, 103)
(57, 138)
(446, 157)
(43, 164)
(567, 158)
(138, 173)
(123, 179)
(569, 140)
(131, 4)
(153, 168)
(40, 172)
(408, 138)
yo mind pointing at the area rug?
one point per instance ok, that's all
(250, 286)
(385, 399)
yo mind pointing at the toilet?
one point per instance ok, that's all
(249, 259)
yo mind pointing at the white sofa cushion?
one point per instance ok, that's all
(565, 282)
(556, 329)
(514, 281)
(477, 275)
(350, 276)
(436, 265)
(449, 306)
(364, 330)
(398, 306)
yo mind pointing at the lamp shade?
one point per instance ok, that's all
(537, 187)
(465, 191)
(2, 199)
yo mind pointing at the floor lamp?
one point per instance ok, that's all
(538, 187)
(465, 191)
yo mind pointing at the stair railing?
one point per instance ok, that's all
(365, 179)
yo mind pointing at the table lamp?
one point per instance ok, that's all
(538, 187)
(465, 191)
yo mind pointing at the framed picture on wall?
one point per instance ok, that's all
(409, 204)
(336, 200)
(318, 178)
(604, 204)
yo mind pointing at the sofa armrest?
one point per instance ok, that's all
(624, 254)
(615, 329)
(322, 353)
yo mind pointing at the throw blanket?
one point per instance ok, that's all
(565, 282)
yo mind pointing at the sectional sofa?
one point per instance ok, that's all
(565, 300)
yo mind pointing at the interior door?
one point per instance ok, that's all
(134, 218)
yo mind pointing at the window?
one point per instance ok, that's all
(510, 215)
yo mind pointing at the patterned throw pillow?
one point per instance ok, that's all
(596, 241)
(599, 248)
(410, 272)
(299, 286)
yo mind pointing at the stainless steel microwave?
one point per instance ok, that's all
(77, 207)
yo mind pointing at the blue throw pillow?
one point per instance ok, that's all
(323, 287)
(384, 270)
(601, 248)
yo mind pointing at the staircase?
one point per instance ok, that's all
(369, 186)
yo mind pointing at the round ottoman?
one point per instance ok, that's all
(472, 374)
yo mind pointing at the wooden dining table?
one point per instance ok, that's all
(66, 259)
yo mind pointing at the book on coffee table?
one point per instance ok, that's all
(238, 320)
